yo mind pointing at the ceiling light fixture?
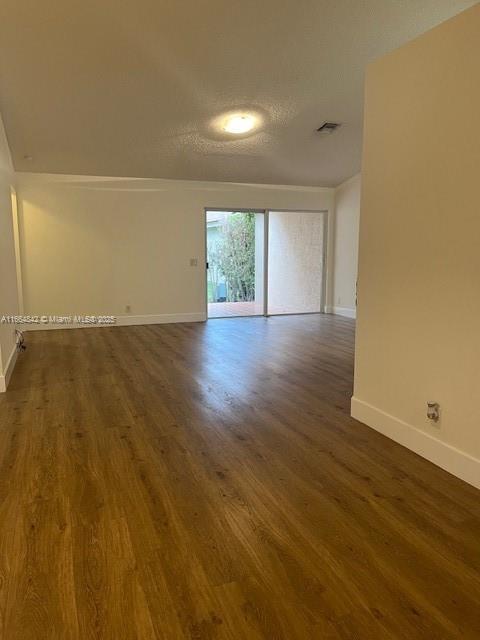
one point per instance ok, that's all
(239, 123)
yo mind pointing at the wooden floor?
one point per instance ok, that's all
(205, 481)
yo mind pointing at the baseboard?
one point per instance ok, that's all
(124, 321)
(5, 378)
(457, 462)
(343, 311)
(165, 318)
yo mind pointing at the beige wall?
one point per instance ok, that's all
(8, 278)
(347, 219)
(95, 245)
(418, 328)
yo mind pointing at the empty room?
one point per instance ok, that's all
(239, 320)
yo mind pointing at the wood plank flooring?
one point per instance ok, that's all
(205, 481)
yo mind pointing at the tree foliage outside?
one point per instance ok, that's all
(233, 256)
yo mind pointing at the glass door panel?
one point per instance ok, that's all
(295, 262)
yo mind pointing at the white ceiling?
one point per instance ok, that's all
(130, 87)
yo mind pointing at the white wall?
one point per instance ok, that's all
(347, 220)
(418, 327)
(8, 277)
(94, 245)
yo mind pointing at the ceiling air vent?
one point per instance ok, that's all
(328, 127)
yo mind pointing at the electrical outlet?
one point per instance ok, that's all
(433, 411)
(194, 262)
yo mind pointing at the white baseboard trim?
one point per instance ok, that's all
(5, 378)
(342, 311)
(165, 318)
(345, 311)
(125, 321)
(457, 462)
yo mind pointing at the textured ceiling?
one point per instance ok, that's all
(131, 87)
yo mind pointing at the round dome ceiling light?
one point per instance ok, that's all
(239, 123)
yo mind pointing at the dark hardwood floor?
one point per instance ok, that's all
(205, 481)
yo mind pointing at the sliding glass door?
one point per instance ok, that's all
(235, 263)
(265, 263)
(296, 245)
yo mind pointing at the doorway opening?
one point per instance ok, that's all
(235, 263)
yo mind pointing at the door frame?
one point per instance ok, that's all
(266, 212)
